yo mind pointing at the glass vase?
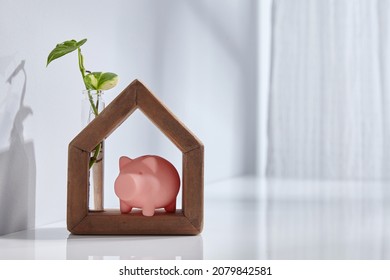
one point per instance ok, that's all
(92, 104)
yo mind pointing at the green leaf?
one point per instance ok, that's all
(92, 80)
(64, 48)
(101, 80)
(107, 81)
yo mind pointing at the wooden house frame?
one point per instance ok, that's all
(185, 221)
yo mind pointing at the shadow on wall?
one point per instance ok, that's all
(17, 163)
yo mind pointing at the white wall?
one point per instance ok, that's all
(199, 57)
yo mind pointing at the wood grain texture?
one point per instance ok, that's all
(188, 221)
(113, 222)
(193, 189)
(78, 189)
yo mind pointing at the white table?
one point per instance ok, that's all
(274, 219)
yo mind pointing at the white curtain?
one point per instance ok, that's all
(329, 102)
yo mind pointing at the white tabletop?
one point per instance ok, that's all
(245, 218)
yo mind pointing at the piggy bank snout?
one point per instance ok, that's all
(125, 186)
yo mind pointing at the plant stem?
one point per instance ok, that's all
(96, 113)
(96, 153)
(81, 65)
(94, 107)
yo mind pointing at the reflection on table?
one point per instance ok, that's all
(134, 247)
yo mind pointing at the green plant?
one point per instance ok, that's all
(91, 80)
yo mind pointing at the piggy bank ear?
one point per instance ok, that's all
(124, 161)
(151, 162)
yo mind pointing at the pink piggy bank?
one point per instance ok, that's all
(147, 182)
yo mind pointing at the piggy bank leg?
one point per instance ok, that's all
(125, 208)
(171, 208)
(148, 211)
